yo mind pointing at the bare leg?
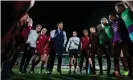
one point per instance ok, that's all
(123, 60)
(75, 64)
(70, 64)
(43, 58)
(90, 62)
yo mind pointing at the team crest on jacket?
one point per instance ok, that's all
(41, 37)
(37, 41)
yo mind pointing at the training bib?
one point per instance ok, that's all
(127, 18)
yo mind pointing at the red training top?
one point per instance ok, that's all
(42, 41)
(25, 32)
(84, 42)
(47, 47)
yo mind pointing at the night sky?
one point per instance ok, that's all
(75, 15)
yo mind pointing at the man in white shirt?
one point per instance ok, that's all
(72, 48)
(58, 41)
(31, 42)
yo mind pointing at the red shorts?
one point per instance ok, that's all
(47, 51)
(40, 50)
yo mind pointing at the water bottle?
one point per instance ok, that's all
(88, 68)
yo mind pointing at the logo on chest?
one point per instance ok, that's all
(125, 17)
(41, 37)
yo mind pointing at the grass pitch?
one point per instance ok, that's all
(64, 76)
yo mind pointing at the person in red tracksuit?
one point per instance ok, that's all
(41, 43)
(15, 37)
(13, 11)
(26, 30)
(85, 43)
(18, 39)
(45, 55)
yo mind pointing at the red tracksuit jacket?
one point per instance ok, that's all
(47, 47)
(25, 32)
(84, 42)
(19, 8)
(42, 44)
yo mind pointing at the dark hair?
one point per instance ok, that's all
(75, 31)
(24, 14)
(38, 25)
(85, 30)
(59, 23)
(114, 14)
(120, 5)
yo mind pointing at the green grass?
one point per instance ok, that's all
(64, 76)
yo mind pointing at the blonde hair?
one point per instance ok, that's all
(103, 19)
(38, 25)
(85, 30)
(100, 27)
(92, 28)
(30, 21)
(43, 29)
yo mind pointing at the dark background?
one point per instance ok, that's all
(75, 15)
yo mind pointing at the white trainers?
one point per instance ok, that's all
(19, 72)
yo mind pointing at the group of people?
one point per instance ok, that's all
(114, 37)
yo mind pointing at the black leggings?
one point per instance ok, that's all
(52, 58)
(93, 53)
(104, 49)
(34, 61)
(26, 59)
(83, 55)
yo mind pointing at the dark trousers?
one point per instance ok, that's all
(52, 56)
(5, 53)
(93, 53)
(83, 55)
(34, 61)
(104, 49)
(18, 46)
(117, 51)
(130, 50)
(26, 59)
(8, 51)
(13, 51)
(48, 63)
(14, 57)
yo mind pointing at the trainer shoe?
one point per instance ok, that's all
(101, 73)
(20, 72)
(31, 72)
(125, 73)
(49, 73)
(46, 72)
(40, 71)
(69, 72)
(116, 74)
(108, 74)
(130, 75)
(74, 72)
(59, 73)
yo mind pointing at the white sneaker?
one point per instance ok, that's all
(19, 72)
(31, 72)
